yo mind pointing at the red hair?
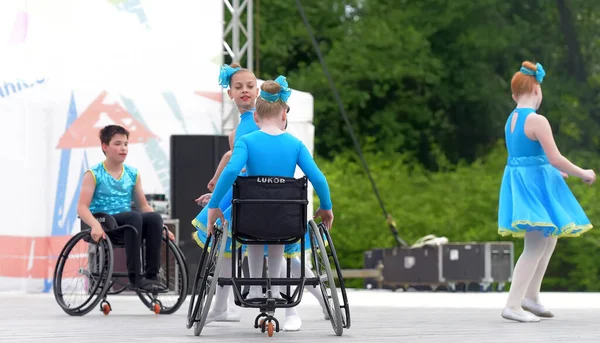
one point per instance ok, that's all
(524, 84)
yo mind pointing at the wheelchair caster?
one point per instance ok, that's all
(156, 307)
(105, 307)
(268, 326)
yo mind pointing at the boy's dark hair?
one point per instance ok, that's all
(108, 132)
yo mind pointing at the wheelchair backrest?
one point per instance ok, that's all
(269, 208)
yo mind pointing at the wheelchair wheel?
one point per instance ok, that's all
(330, 250)
(173, 274)
(85, 268)
(327, 281)
(205, 283)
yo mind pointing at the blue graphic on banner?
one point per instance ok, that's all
(63, 221)
(9, 88)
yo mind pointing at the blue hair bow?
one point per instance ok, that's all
(225, 75)
(283, 94)
(539, 73)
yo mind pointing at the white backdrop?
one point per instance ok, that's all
(69, 67)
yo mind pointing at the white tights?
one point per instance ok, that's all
(530, 269)
(255, 260)
(255, 264)
(222, 293)
(295, 265)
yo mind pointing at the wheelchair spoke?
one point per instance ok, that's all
(205, 283)
(81, 273)
(327, 284)
(173, 274)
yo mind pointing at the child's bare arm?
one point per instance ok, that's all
(140, 197)
(88, 186)
(224, 160)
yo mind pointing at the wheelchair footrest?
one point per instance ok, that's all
(265, 301)
(153, 290)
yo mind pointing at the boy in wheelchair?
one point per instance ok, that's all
(270, 152)
(109, 188)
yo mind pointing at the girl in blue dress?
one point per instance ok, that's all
(243, 90)
(271, 152)
(535, 201)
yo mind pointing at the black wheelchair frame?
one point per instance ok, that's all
(105, 277)
(268, 211)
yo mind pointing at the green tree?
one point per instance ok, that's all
(426, 85)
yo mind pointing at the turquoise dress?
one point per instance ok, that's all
(246, 125)
(534, 196)
(272, 155)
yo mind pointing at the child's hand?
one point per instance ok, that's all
(589, 176)
(326, 217)
(211, 185)
(169, 233)
(203, 199)
(565, 175)
(213, 215)
(98, 232)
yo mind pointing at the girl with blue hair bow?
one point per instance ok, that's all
(271, 152)
(243, 90)
(535, 201)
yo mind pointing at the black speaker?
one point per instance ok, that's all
(194, 160)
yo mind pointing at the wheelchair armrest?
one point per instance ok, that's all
(109, 224)
(123, 228)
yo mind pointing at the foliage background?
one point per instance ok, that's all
(426, 85)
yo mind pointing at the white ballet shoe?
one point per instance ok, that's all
(535, 308)
(519, 316)
(292, 323)
(223, 316)
(216, 316)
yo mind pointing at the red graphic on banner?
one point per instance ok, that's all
(83, 133)
(216, 96)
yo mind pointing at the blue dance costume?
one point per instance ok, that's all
(111, 195)
(534, 196)
(246, 125)
(272, 155)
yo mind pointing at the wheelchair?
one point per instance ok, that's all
(267, 211)
(87, 268)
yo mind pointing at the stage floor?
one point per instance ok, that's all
(380, 316)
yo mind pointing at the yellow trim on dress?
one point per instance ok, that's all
(201, 245)
(228, 254)
(122, 171)
(202, 227)
(93, 175)
(294, 255)
(568, 230)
